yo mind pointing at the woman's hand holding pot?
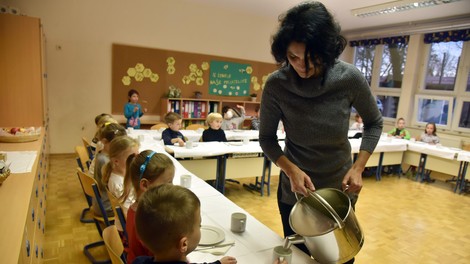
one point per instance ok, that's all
(352, 181)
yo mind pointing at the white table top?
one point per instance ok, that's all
(254, 245)
(433, 150)
(195, 135)
(463, 156)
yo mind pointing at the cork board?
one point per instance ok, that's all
(152, 71)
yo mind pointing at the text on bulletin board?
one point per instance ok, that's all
(229, 78)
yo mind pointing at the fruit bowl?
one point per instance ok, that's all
(28, 135)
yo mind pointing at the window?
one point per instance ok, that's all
(443, 62)
(364, 60)
(393, 65)
(388, 105)
(462, 115)
(435, 109)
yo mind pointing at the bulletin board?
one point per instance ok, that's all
(152, 71)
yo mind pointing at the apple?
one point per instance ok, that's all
(14, 130)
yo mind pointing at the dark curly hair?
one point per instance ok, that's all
(309, 23)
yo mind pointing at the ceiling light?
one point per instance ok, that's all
(396, 6)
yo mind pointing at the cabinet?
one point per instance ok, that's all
(23, 196)
(195, 111)
(21, 72)
(23, 199)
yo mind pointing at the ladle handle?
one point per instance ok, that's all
(328, 207)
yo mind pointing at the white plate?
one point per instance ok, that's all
(211, 235)
(235, 143)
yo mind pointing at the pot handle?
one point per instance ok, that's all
(328, 207)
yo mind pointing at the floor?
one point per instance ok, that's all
(403, 221)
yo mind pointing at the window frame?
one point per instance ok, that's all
(458, 113)
(418, 123)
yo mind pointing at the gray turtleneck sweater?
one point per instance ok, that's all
(315, 114)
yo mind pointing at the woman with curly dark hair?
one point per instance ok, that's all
(312, 93)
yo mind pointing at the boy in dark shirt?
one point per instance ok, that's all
(168, 221)
(172, 134)
(214, 132)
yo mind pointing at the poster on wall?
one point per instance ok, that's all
(229, 78)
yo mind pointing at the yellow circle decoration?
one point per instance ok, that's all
(186, 79)
(205, 66)
(170, 61)
(147, 72)
(254, 79)
(192, 67)
(170, 69)
(199, 81)
(139, 67)
(265, 77)
(192, 76)
(131, 72)
(154, 77)
(139, 76)
(199, 72)
(249, 70)
(256, 87)
(126, 80)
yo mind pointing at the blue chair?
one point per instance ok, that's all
(90, 187)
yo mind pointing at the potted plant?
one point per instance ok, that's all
(253, 97)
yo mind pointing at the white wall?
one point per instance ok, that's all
(79, 36)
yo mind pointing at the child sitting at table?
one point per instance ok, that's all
(106, 134)
(168, 221)
(429, 135)
(172, 134)
(358, 124)
(144, 170)
(255, 120)
(231, 122)
(400, 131)
(120, 149)
(214, 132)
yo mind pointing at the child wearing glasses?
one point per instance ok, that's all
(144, 170)
(168, 221)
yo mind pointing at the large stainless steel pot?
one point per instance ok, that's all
(326, 223)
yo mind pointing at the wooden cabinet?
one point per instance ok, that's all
(23, 199)
(21, 72)
(195, 111)
(23, 195)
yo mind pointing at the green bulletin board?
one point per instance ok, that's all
(229, 78)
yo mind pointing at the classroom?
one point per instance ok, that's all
(63, 63)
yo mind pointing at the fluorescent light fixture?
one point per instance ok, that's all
(396, 6)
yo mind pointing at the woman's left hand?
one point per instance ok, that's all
(353, 180)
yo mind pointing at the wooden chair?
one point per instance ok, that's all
(90, 187)
(158, 126)
(89, 147)
(84, 164)
(113, 244)
(83, 159)
(118, 212)
(195, 127)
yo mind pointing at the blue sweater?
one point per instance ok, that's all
(130, 114)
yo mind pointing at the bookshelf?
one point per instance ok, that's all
(195, 111)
